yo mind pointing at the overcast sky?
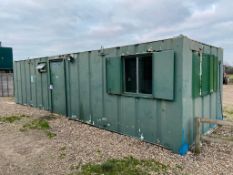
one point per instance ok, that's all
(37, 28)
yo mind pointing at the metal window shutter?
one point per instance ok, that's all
(196, 75)
(205, 79)
(211, 73)
(163, 74)
(215, 76)
(114, 75)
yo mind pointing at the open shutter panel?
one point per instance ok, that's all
(114, 75)
(163, 74)
(196, 74)
(215, 83)
(205, 79)
(211, 73)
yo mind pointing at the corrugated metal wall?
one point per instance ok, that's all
(169, 123)
(6, 85)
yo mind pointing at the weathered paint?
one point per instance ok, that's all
(165, 122)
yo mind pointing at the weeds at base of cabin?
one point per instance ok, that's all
(12, 119)
(125, 166)
(62, 152)
(39, 124)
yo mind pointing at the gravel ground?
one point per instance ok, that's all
(32, 152)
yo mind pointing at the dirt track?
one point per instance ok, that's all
(32, 152)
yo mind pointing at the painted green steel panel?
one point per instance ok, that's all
(96, 88)
(211, 57)
(205, 78)
(114, 75)
(196, 83)
(28, 83)
(19, 82)
(23, 82)
(44, 85)
(38, 86)
(72, 88)
(15, 83)
(146, 120)
(6, 58)
(58, 86)
(33, 83)
(84, 84)
(128, 118)
(216, 70)
(163, 74)
(111, 103)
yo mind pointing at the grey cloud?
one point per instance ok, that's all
(40, 28)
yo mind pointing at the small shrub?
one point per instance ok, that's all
(11, 119)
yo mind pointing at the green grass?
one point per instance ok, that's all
(228, 113)
(11, 119)
(125, 166)
(39, 124)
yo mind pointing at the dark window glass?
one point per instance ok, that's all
(145, 74)
(130, 74)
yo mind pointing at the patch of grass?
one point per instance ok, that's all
(62, 155)
(11, 119)
(39, 124)
(50, 134)
(228, 113)
(125, 166)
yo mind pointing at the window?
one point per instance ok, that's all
(138, 74)
(131, 75)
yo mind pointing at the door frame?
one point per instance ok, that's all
(50, 82)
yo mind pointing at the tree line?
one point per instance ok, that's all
(228, 69)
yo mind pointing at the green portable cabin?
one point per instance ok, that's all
(6, 59)
(152, 91)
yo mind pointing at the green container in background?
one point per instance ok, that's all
(6, 58)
